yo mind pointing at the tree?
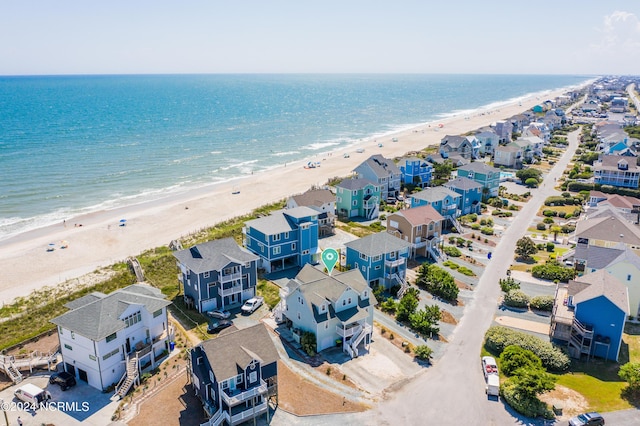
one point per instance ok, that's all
(514, 357)
(531, 183)
(630, 372)
(507, 284)
(407, 306)
(437, 281)
(529, 173)
(426, 319)
(525, 248)
(555, 230)
(308, 343)
(423, 352)
(442, 171)
(530, 382)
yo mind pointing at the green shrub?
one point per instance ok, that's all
(498, 338)
(388, 305)
(507, 284)
(452, 251)
(525, 405)
(552, 271)
(551, 247)
(549, 213)
(475, 226)
(514, 357)
(466, 271)
(541, 226)
(547, 220)
(486, 230)
(308, 343)
(516, 299)
(423, 352)
(542, 303)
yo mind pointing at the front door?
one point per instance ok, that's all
(70, 369)
(128, 345)
(82, 375)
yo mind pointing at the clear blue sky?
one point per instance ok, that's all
(275, 36)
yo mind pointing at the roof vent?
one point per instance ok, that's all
(621, 235)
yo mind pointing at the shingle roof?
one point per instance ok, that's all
(479, 167)
(463, 183)
(100, 318)
(610, 162)
(377, 244)
(354, 184)
(434, 194)
(602, 283)
(420, 215)
(230, 353)
(314, 197)
(277, 222)
(214, 255)
(380, 166)
(597, 257)
(609, 228)
(454, 141)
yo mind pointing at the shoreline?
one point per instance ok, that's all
(100, 241)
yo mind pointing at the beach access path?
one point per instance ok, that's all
(100, 241)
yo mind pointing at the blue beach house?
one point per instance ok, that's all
(589, 315)
(470, 194)
(415, 171)
(218, 274)
(284, 239)
(381, 258)
(485, 175)
(443, 200)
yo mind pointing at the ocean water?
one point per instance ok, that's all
(75, 144)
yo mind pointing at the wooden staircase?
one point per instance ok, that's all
(131, 377)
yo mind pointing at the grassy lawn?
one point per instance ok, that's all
(566, 209)
(358, 229)
(270, 292)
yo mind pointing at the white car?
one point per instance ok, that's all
(251, 305)
(489, 366)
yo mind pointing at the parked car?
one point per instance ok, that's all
(489, 366)
(32, 394)
(218, 325)
(589, 419)
(251, 305)
(219, 313)
(63, 379)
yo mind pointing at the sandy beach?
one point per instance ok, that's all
(100, 241)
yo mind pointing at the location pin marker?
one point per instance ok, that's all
(329, 259)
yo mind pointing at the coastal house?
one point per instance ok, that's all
(442, 199)
(321, 200)
(382, 172)
(621, 203)
(470, 194)
(218, 274)
(485, 175)
(607, 229)
(456, 144)
(489, 141)
(620, 261)
(421, 227)
(589, 314)
(337, 309)
(509, 155)
(109, 339)
(416, 171)
(284, 239)
(618, 171)
(235, 374)
(358, 198)
(381, 258)
(504, 130)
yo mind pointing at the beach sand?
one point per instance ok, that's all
(100, 241)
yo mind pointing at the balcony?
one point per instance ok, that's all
(225, 278)
(248, 414)
(238, 397)
(394, 263)
(235, 289)
(349, 331)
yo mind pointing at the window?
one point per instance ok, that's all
(344, 302)
(92, 357)
(363, 268)
(629, 277)
(298, 315)
(305, 251)
(73, 335)
(293, 246)
(365, 293)
(133, 319)
(419, 228)
(349, 301)
(354, 193)
(286, 235)
(363, 256)
(253, 376)
(378, 267)
(261, 247)
(276, 237)
(276, 250)
(224, 385)
(377, 258)
(68, 347)
(355, 203)
(110, 354)
(247, 265)
(112, 337)
(392, 255)
(206, 274)
(339, 199)
(158, 313)
(239, 379)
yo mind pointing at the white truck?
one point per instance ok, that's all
(493, 385)
(251, 305)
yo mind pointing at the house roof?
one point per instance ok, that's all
(609, 228)
(230, 353)
(602, 283)
(463, 183)
(479, 167)
(597, 257)
(99, 318)
(380, 166)
(314, 197)
(277, 222)
(355, 184)
(214, 255)
(454, 141)
(434, 194)
(508, 148)
(611, 162)
(377, 244)
(621, 201)
(420, 215)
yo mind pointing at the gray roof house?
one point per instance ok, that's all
(234, 374)
(102, 330)
(382, 172)
(217, 274)
(321, 200)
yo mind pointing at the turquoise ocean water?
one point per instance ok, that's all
(75, 144)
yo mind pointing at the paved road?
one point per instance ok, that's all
(453, 390)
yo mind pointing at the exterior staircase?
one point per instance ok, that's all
(14, 374)
(130, 377)
(435, 253)
(456, 224)
(137, 268)
(403, 285)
